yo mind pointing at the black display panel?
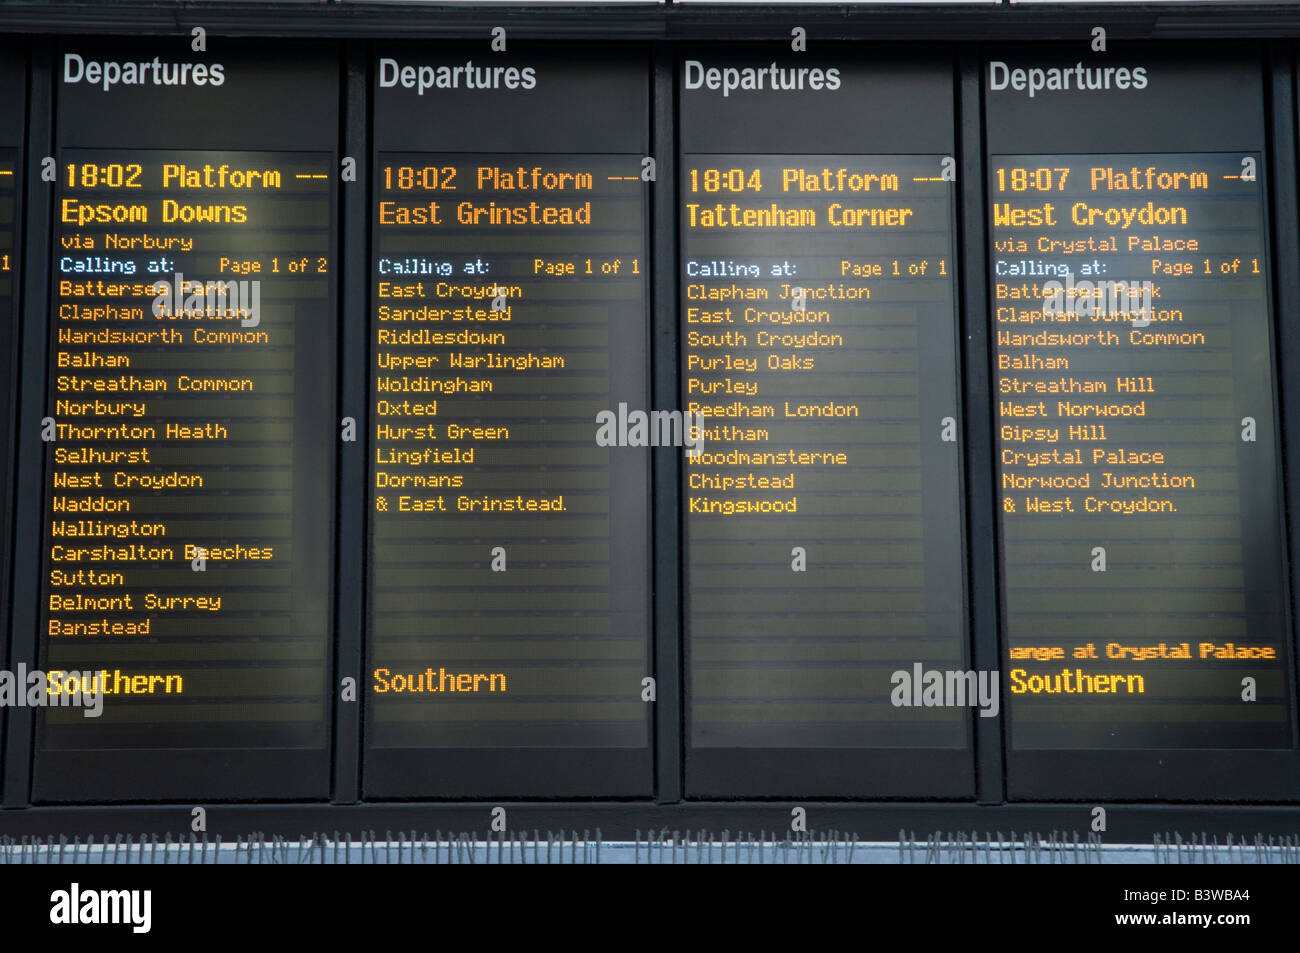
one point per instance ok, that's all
(189, 492)
(509, 564)
(1147, 641)
(13, 79)
(824, 566)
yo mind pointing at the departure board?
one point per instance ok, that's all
(13, 76)
(1143, 560)
(509, 626)
(823, 518)
(189, 490)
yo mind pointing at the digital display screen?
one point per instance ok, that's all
(1143, 561)
(189, 499)
(13, 76)
(8, 326)
(509, 629)
(823, 516)
(654, 464)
